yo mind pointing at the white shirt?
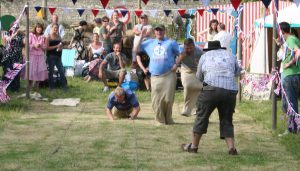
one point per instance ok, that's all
(61, 31)
(225, 38)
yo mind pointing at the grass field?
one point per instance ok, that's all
(37, 136)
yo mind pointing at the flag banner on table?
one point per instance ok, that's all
(9, 77)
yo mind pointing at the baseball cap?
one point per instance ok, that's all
(160, 26)
(98, 20)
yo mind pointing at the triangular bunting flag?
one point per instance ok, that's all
(104, 3)
(175, 1)
(124, 12)
(229, 11)
(205, 3)
(37, 8)
(80, 11)
(200, 11)
(266, 3)
(235, 3)
(109, 13)
(95, 12)
(74, 1)
(297, 2)
(138, 13)
(214, 10)
(192, 11)
(52, 10)
(145, 1)
(181, 12)
(66, 10)
(167, 12)
(153, 13)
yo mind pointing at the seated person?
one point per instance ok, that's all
(125, 102)
(143, 62)
(116, 66)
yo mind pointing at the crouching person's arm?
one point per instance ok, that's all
(109, 114)
(135, 112)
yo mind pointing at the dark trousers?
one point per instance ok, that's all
(55, 61)
(15, 84)
(210, 99)
(291, 86)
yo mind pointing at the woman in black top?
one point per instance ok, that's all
(13, 54)
(54, 50)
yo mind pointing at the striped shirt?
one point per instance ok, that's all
(219, 68)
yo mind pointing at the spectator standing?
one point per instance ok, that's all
(211, 31)
(104, 35)
(162, 52)
(217, 70)
(192, 87)
(54, 51)
(13, 54)
(122, 104)
(223, 36)
(37, 66)
(54, 20)
(291, 72)
(116, 29)
(78, 40)
(137, 30)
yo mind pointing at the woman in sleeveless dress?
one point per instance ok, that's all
(211, 31)
(37, 66)
(54, 50)
(96, 53)
(77, 41)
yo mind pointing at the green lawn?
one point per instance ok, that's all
(37, 136)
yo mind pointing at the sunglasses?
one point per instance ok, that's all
(105, 21)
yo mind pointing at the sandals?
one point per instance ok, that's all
(188, 148)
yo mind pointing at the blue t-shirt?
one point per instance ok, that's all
(162, 54)
(130, 101)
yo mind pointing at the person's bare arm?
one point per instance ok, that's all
(135, 112)
(109, 114)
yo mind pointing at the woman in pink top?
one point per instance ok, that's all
(37, 66)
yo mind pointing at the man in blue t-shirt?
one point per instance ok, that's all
(162, 53)
(125, 103)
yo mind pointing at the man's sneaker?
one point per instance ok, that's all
(106, 89)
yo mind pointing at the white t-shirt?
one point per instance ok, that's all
(225, 38)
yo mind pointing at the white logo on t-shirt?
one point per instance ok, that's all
(159, 52)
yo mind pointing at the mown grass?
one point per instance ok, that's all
(37, 136)
(261, 112)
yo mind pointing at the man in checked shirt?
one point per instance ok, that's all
(217, 69)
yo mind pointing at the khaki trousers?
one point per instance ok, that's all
(162, 96)
(192, 87)
(122, 113)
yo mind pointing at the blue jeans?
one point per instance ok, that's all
(56, 61)
(291, 86)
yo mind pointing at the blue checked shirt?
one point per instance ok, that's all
(219, 68)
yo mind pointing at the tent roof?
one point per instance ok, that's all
(290, 14)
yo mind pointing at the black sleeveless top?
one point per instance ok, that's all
(54, 52)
